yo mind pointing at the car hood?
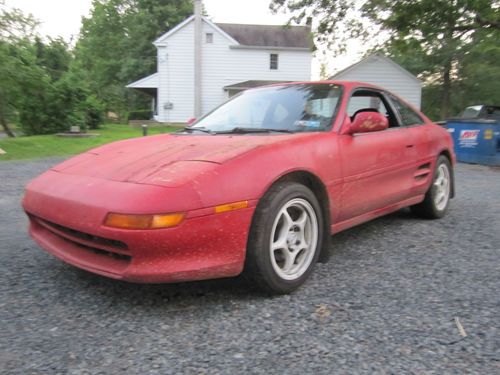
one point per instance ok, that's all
(166, 160)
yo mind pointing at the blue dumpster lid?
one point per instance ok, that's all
(472, 120)
(478, 114)
(481, 111)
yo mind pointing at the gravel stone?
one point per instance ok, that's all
(385, 303)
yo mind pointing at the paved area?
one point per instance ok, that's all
(387, 302)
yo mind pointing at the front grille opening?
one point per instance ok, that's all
(86, 241)
(94, 250)
(89, 237)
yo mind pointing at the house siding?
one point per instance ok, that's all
(221, 66)
(176, 69)
(382, 73)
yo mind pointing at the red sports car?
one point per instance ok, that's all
(258, 185)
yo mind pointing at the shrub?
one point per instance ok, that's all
(93, 112)
(55, 107)
(40, 110)
(143, 114)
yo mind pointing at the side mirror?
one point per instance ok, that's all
(191, 121)
(366, 122)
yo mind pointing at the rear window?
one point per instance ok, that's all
(408, 115)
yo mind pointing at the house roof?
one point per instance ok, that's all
(369, 58)
(161, 39)
(269, 35)
(297, 37)
(149, 84)
(152, 81)
(245, 85)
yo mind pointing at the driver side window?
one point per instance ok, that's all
(370, 101)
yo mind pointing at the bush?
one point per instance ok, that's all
(40, 111)
(88, 114)
(93, 111)
(143, 114)
(55, 107)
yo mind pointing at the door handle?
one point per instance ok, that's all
(409, 146)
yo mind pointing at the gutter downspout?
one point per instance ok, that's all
(198, 25)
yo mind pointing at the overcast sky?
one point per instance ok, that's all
(63, 18)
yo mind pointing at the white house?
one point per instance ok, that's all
(201, 63)
(380, 70)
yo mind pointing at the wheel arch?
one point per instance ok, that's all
(446, 153)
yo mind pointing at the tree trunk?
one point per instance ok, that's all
(446, 92)
(3, 120)
(5, 125)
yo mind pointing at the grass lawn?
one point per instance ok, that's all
(39, 146)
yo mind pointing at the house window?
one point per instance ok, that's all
(273, 61)
(209, 37)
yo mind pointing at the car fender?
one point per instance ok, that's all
(250, 175)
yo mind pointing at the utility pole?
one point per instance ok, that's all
(198, 26)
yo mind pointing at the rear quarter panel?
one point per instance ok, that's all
(430, 140)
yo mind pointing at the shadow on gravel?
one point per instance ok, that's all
(172, 297)
(228, 288)
(341, 240)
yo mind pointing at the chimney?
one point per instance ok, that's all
(198, 26)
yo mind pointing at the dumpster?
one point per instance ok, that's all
(477, 138)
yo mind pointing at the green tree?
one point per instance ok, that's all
(430, 38)
(36, 87)
(53, 56)
(115, 46)
(42, 106)
(16, 26)
(16, 34)
(479, 70)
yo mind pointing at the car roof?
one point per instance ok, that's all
(346, 84)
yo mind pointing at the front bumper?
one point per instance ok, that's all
(67, 223)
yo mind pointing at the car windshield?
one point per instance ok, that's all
(287, 108)
(471, 112)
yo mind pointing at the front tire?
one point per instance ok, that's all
(437, 199)
(285, 238)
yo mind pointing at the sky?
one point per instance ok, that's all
(63, 18)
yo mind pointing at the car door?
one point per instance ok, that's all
(377, 167)
(421, 134)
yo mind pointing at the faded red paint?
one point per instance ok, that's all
(369, 122)
(365, 176)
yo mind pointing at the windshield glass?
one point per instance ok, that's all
(290, 108)
(471, 112)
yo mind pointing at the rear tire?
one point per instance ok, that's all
(285, 238)
(437, 199)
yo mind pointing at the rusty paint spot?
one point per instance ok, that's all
(368, 124)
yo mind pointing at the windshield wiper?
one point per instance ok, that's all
(243, 130)
(190, 129)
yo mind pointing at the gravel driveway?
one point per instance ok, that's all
(385, 303)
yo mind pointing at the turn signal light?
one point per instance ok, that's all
(231, 206)
(143, 221)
